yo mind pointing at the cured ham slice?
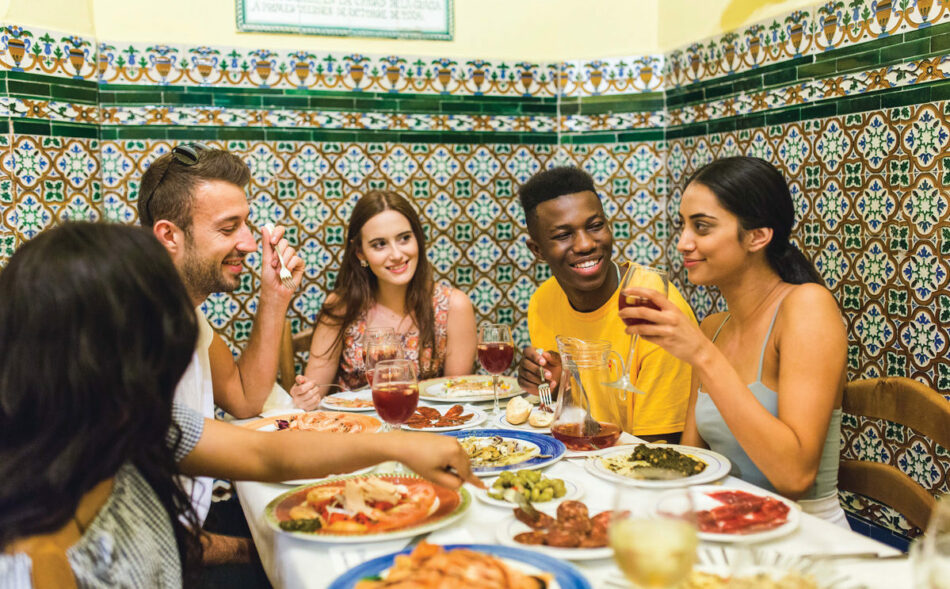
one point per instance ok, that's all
(741, 513)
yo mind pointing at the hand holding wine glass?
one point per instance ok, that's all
(395, 392)
(653, 550)
(642, 277)
(496, 350)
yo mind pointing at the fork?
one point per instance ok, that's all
(544, 391)
(286, 278)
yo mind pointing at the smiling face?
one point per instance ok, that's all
(388, 244)
(572, 235)
(217, 241)
(713, 244)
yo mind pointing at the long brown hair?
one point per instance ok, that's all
(356, 287)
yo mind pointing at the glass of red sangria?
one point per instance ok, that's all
(496, 350)
(379, 343)
(642, 277)
(395, 392)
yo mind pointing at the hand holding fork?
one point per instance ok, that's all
(286, 278)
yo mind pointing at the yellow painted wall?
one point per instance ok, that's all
(682, 22)
(535, 30)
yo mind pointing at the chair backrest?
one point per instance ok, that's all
(290, 344)
(909, 403)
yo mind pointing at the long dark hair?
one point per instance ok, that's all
(754, 191)
(356, 286)
(95, 331)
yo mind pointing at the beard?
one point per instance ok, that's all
(203, 276)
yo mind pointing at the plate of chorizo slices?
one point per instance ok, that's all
(572, 533)
(431, 419)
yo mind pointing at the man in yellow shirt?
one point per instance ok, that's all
(568, 229)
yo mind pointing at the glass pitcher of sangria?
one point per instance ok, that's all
(583, 397)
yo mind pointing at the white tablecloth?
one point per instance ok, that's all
(291, 562)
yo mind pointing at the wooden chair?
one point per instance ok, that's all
(290, 344)
(909, 403)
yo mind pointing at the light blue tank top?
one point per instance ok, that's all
(715, 432)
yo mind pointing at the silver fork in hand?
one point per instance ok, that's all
(544, 391)
(286, 278)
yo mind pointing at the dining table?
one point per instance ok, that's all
(291, 562)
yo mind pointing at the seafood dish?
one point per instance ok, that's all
(430, 565)
(497, 451)
(347, 403)
(653, 462)
(328, 421)
(739, 512)
(467, 386)
(461, 389)
(365, 505)
(572, 528)
(426, 417)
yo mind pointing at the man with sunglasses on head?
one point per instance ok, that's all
(193, 199)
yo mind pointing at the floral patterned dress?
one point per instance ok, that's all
(352, 374)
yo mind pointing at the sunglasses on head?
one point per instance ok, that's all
(185, 154)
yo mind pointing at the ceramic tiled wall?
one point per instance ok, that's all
(850, 100)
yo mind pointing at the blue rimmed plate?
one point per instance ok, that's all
(565, 575)
(548, 451)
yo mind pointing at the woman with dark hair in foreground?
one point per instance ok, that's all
(95, 331)
(783, 333)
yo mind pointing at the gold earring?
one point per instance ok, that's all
(364, 263)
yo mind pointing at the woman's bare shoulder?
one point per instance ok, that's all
(809, 297)
(711, 323)
(458, 300)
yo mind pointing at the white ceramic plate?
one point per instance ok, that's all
(452, 515)
(717, 467)
(365, 395)
(703, 501)
(511, 527)
(436, 389)
(502, 422)
(572, 491)
(478, 417)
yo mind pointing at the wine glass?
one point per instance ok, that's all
(379, 343)
(395, 392)
(496, 350)
(654, 548)
(931, 552)
(643, 277)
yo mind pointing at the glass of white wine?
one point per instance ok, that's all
(653, 536)
(931, 552)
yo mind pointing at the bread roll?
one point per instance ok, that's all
(517, 410)
(541, 418)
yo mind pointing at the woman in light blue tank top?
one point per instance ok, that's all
(767, 376)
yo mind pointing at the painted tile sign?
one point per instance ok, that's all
(408, 19)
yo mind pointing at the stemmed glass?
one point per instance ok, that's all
(931, 552)
(654, 548)
(642, 277)
(395, 392)
(379, 343)
(496, 350)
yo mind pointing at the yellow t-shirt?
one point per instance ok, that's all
(665, 378)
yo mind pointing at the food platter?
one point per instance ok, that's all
(447, 508)
(545, 449)
(717, 466)
(705, 502)
(322, 421)
(467, 389)
(511, 527)
(502, 421)
(478, 416)
(530, 562)
(573, 491)
(358, 400)
(573, 522)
